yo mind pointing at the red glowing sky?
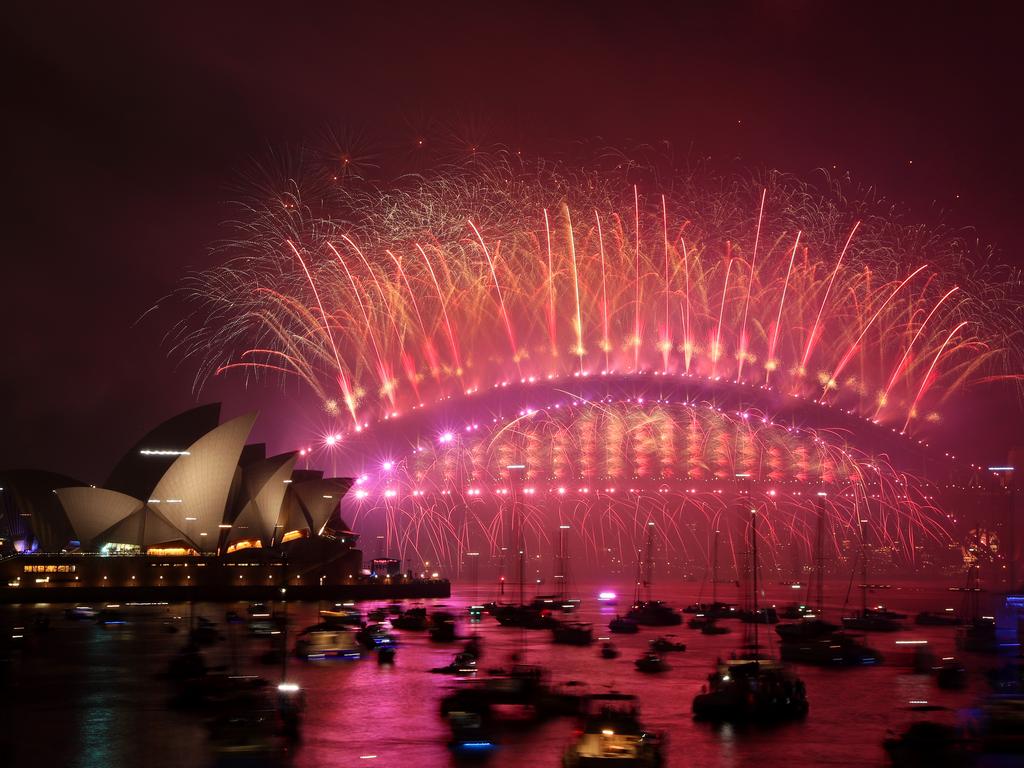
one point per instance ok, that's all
(127, 127)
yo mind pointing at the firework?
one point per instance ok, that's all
(389, 301)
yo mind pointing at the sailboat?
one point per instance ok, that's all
(870, 619)
(978, 633)
(567, 632)
(648, 612)
(534, 615)
(708, 613)
(812, 640)
(751, 687)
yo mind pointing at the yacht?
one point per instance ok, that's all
(751, 690)
(612, 735)
(321, 644)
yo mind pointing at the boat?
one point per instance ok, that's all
(461, 664)
(760, 616)
(651, 663)
(796, 611)
(713, 610)
(867, 620)
(609, 651)
(654, 613)
(1002, 723)
(471, 733)
(716, 609)
(611, 735)
(246, 737)
(947, 618)
(80, 612)
(805, 629)
(646, 611)
(879, 618)
(442, 627)
(665, 645)
(928, 743)
(978, 636)
(375, 636)
(111, 618)
(572, 633)
(321, 644)
(258, 610)
(412, 620)
(561, 599)
(623, 625)
(523, 616)
(951, 675)
(751, 687)
(344, 614)
(751, 690)
(838, 649)
(712, 627)
(522, 685)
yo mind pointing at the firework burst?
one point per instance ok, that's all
(387, 300)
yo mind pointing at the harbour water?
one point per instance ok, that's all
(91, 697)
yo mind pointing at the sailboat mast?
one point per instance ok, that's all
(714, 572)
(863, 568)
(649, 564)
(563, 563)
(819, 557)
(757, 618)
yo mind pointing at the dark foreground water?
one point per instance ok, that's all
(82, 695)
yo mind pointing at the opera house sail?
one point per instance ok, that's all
(191, 504)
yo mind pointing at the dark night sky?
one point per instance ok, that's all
(126, 125)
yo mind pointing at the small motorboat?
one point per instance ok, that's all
(572, 633)
(946, 618)
(461, 664)
(471, 732)
(712, 627)
(374, 636)
(651, 663)
(110, 618)
(951, 675)
(609, 651)
(412, 620)
(623, 625)
(665, 645)
(442, 627)
(80, 612)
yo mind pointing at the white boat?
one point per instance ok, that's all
(322, 644)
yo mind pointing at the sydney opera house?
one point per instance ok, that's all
(191, 504)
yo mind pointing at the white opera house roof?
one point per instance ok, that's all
(191, 484)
